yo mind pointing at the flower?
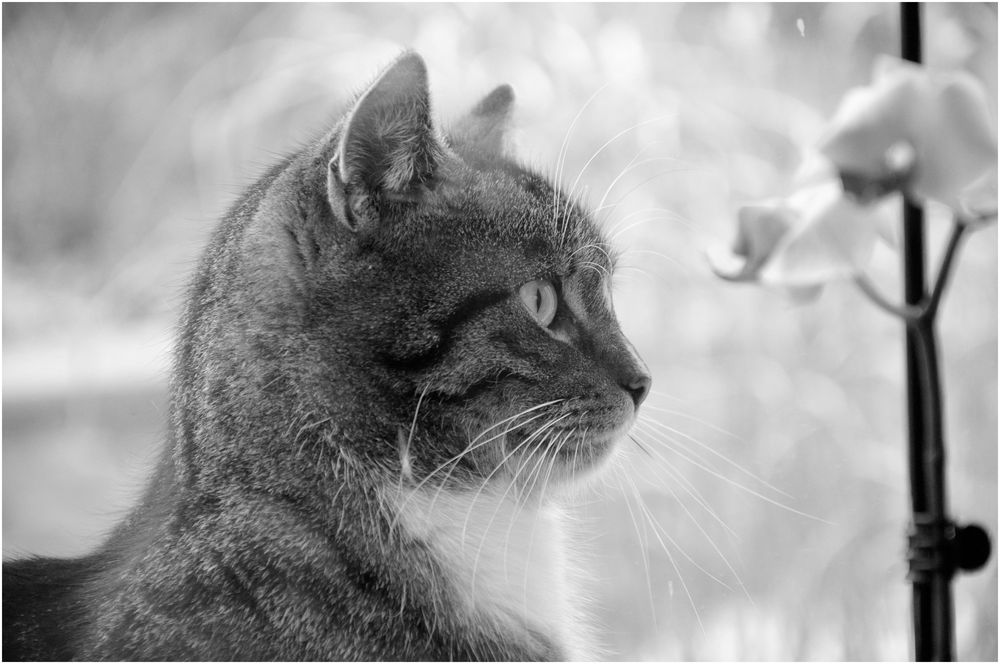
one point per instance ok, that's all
(759, 228)
(928, 134)
(801, 242)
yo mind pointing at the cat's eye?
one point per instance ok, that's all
(539, 296)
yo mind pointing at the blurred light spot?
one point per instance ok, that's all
(566, 50)
(801, 25)
(621, 52)
(745, 26)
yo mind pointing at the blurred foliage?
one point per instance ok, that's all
(128, 128)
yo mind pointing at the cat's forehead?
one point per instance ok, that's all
(511, 206)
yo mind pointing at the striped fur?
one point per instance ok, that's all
(357, 392)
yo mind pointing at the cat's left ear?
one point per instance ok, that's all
(388, 148)
(483, 130)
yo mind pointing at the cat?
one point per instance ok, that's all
(397, 355)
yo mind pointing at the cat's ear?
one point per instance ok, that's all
(484, 128)
(388, 148)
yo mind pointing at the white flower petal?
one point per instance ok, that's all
(759, 229)
(978, 201)
(834, 241)
(930, 134)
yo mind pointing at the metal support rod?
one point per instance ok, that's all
(930, 562)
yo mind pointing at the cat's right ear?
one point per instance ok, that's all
(388, 149)
(484, 128)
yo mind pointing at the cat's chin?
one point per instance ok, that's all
(582, 458)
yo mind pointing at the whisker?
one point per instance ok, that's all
(691, 490)
(670, 557)
(708, 449)
(539, 431)
(473, 445)
(596, 246)
(502, 436)
(635, 188)
(661, 214)
(561, 158)
(625, 171)
(678, 447)
(746, 489)
(711, 541)
(665, 395)
(641, 446)
(534, 524)
(688, 416)
(503, 497)
(609, 142)
(644, 545)
(416, 411)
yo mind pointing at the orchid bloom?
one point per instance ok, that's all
(928, 134)
(799, 243)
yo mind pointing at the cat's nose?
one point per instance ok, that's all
(638, 387)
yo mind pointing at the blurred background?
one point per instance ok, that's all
(766, 519)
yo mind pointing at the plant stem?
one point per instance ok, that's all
(944, 272)
(925, 310)
(908, 313)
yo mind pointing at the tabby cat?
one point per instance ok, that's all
(397, 354)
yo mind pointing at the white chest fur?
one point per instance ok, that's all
(508, 564)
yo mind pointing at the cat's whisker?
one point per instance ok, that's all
(660, 215)
(641, 446)
(477, 442)
(626, 270)
(712, 543)
(561, 158)
(659, 530)
(500, 503)
(641, 184)
(576, 451)
(675, 474)
(743, 487)
(680, 549)
(541, 498)
(673, 262)
(308, 426)
(607, 254)
(502, 464)
(454, 462)
(673, 397)
(686, 484)
(471, 447)
(538, 457)
(597, 267)
(405, 441)
(610, 141)
(666, 551)
(719, 455)
(665, 439)
(416, 412)
(688, 416)
(643, 537)
(625, 171)
(534, 523)
(660, 254)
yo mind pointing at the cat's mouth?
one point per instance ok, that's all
(569, 456)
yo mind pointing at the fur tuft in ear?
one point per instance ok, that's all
(484, 129)
(388, 148)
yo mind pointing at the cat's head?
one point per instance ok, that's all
(446, 310)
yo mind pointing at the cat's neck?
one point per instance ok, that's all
(509, 565)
